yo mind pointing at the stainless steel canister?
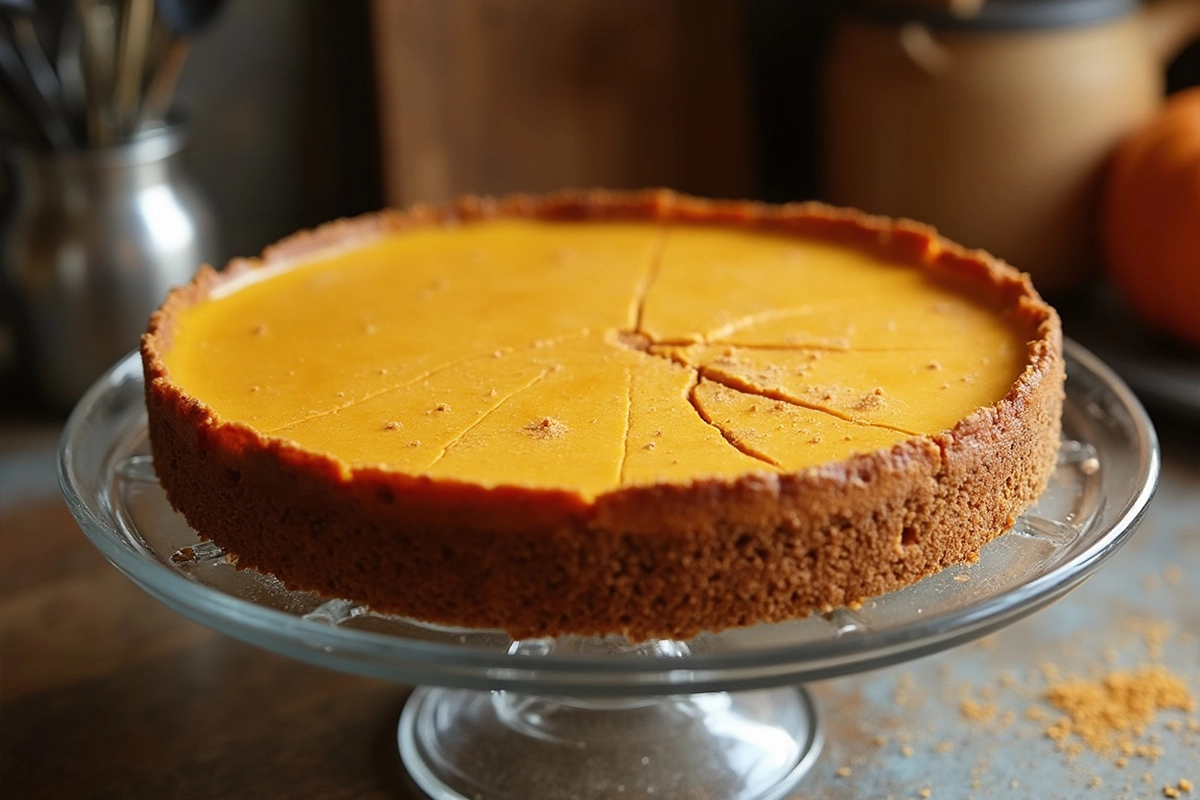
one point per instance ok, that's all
(95, 239)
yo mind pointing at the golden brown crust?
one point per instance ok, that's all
(666, 560)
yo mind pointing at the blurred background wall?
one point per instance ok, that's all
(280, 97)
(290, 126)
(304, 111)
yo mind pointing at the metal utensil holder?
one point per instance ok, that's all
(95, 239)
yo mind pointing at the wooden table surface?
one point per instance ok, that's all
(105, 693)
(108, 694)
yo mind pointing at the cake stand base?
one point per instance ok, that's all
(480, 745)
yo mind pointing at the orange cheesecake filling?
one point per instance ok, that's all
(585, 357)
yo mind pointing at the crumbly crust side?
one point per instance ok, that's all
(648, 561)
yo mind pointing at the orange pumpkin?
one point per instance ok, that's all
(1152, 219)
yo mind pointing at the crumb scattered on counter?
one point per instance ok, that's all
(977, 712)
(1107, 713)
(1071, 699)
(1154, 633)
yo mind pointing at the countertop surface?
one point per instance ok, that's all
(106, 693)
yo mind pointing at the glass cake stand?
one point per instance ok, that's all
(722, 715)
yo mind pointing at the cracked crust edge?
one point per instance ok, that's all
(667, 560)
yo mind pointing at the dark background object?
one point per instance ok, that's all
(187, 17)
(496, 96)
(280, 98)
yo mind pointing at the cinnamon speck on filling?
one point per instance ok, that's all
(546, 428)
(871, 400)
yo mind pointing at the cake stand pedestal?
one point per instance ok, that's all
(721, 715)
(463, 743)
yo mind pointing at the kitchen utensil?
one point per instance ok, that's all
(48, 103)
(23, 108)
(187, 17)
(69, 65)
(183, 18)
(99, 22)
(25, 8)
(136, 25)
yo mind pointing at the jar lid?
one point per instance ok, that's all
(997, 14)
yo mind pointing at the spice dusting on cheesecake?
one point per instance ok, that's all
(546, 428)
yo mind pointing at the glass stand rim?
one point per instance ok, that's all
(1110, 469)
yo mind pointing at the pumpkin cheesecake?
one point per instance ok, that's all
(593, 413)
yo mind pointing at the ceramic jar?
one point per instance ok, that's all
(995, 124)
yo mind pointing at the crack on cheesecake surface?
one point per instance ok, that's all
(494, 354)
(549, 429)
(735, 441)
(649, 275)
(741, 384)
(628, 427)
(638, 342)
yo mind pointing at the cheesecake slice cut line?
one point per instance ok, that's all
(482, 417)
(650, 274)
(497, 353)
(736, 442)
(746, 387)
(628, 427)
(707, 372)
